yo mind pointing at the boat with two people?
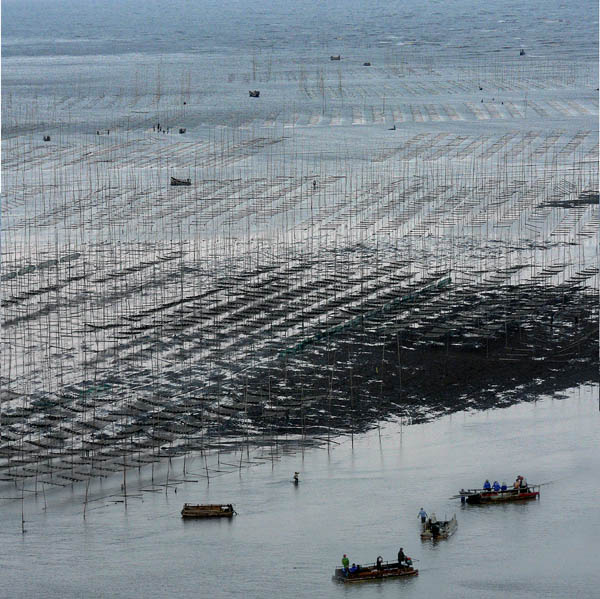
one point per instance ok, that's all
(377, 571)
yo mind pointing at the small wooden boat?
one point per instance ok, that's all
(254, 93)
(217, 510)
(338, 57)
(439, 529)
(175, 181)
(371, 572)
(480, 496)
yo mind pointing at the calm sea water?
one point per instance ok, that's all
(362, 501)
(466, 28)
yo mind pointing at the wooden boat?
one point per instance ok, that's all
(217, 510)
(439, 529)
(175, 181)
(479, 496)
(254, 93)
(371, 572)
(338, 57)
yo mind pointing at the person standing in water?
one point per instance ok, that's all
(423, 515)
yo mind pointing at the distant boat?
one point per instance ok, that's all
(254, 93)
(439, 529)
(219, 510)
(371, 572)
(175, 181)
(338, 57)
(477, 496)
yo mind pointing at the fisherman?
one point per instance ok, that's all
(423, 516)
(486, 485)
(296, 479)
(314, 184)
(353, 568)
(345, 564)
(496, 486)
(523, 483)
(503, 487)
(401, 556)
(379, 563)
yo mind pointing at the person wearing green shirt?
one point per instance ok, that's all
(345, 563)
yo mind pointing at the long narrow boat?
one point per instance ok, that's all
(478, 496)
(218, 510)
(371, 572)
(439, 529)
(175, 181)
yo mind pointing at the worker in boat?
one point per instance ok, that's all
(486, 485)
(345, 564)
(496, 486)
(423, 515)
(401, 556)
(353, 569)
(296, 479)
(523, 483)
(433, 518)
(379, 563)
(503, 487)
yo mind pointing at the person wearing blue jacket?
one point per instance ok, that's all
(486, 485)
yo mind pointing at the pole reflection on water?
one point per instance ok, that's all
(287, 539)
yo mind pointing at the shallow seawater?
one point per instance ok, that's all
(363, 501)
